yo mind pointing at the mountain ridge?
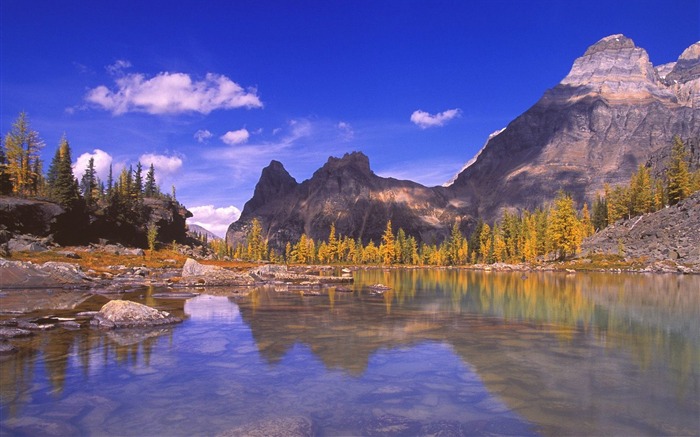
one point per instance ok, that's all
(612, 112)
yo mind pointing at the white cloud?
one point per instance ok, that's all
(202, 135)
(172, 93)
(236, 137)
(425, 120)
(214, 219)
(166, 167)
(102, 162)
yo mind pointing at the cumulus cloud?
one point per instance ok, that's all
(202, 135)
(236, 137)
(172, 93)
(165, 166)
(102, 161)
(214, 219)
(425, 120)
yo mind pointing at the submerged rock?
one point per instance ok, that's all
(126, 314)
(293, 426)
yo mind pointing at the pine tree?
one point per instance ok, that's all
(23, 146)
(5, 182)
(150, 189)
(679, 183)
(62, 185)
(137, 187)
(88, 184)
(600, 213)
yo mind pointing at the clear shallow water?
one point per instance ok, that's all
(445, 352)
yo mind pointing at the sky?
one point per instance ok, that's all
(211, 91)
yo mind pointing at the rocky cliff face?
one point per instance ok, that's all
(607, 116)
(611, 113)
(47, 219)
(346, 192)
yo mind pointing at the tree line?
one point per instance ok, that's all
(554, 231)
(116, 204)
(21, 174)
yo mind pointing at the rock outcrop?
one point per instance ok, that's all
(42, 218)
(19, 274)
(672, 233)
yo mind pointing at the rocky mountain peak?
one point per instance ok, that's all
(612, 43)
(274, 182)
(687, 67)
(684, 78)
(613, 69)
(356, 163)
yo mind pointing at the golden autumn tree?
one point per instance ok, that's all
(563, 229)
(387, 250)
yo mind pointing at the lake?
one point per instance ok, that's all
(444, 352)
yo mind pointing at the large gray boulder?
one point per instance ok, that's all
(196, 274)
(126, 314)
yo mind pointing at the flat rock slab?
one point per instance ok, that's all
(19, 274)
(126, 314)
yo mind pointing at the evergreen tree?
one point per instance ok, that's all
(88, 184)
(110, 182)
(62, 185)
(150, 189)
(23, 146)
(5, 182)
(600, 213)
(137, 187)
(679, 181)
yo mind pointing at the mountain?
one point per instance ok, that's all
(611, 113)
(346, 192)
(607, 116)
(196, 231)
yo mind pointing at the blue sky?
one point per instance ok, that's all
(211, 91)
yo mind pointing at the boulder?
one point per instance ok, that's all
(196, 274)
(126, 314)
(193, 268)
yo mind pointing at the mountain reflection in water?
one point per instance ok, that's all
(445, 350)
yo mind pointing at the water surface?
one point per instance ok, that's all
(444, 352)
